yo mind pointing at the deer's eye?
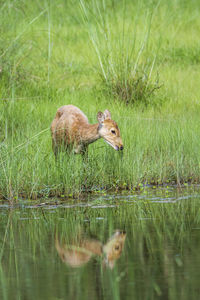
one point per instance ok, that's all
(113, 131)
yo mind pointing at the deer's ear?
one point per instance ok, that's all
(107, 114)
(100, 117)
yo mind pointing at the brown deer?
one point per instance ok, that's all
(79, 252)
(71, 130)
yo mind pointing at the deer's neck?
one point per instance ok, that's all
(90, 133)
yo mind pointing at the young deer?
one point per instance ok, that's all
(81, 250)
(71, 130)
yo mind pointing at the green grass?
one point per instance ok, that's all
(53, 54)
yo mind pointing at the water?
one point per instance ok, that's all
(126, 246)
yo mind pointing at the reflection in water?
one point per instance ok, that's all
(113, 248)
(79, 252)
(160, 259)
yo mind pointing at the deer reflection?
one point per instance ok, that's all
(113, 248)
(79, 252)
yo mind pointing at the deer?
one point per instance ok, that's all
(72, 132)
(80, 251)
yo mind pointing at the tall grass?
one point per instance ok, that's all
(157, 151)
(125, 66)
(47, 61)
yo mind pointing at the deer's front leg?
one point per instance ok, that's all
(84, 154)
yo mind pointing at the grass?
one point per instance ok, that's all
(125, 64)
(53, 54)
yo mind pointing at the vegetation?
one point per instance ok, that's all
(139, 59)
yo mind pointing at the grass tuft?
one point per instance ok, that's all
(126, 68)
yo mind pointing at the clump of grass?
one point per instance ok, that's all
(126, 68)
(135, 88)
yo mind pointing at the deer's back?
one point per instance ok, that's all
(67, 122)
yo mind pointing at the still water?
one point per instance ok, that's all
(125, 246)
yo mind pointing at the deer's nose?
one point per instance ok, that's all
(122, 147)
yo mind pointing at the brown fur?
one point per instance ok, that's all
(114, 247)
(70, 129)
(80, 252)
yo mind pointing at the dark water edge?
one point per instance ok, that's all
(85, 192)
(119, 246)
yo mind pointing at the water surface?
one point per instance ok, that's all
(119, 246)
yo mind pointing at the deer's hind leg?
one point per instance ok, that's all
(56, 151)
(54, 148)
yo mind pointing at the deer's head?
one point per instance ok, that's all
(114, 247)
(109, 130)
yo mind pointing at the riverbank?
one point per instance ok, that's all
(48, 59)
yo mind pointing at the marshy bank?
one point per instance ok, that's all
(155, 152)
(143, 246)
(140, 60)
